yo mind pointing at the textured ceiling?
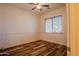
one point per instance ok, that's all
(28, 7)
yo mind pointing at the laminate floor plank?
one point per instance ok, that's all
(38, 48)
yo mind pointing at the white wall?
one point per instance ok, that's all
(1, 26)
(54, 37)
(18, 26)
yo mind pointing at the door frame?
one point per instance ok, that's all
(72, 11)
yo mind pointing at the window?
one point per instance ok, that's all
(53, 24)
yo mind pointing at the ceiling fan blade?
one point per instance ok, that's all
(37, 3)
(32, 3)
(45, 5)
(33, 8)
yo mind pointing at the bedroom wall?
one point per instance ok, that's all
(1, 26)
(59, 38)
(18, 26)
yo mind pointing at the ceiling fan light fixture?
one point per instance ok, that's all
(38, 6)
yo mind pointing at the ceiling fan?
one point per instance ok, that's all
(39, 6)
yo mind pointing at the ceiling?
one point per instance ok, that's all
(28, 7)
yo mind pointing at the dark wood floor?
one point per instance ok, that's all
(38, 48)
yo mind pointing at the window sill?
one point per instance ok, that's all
(54, 32)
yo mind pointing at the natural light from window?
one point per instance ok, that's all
(53, 24)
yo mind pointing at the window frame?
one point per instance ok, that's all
(52, 24)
